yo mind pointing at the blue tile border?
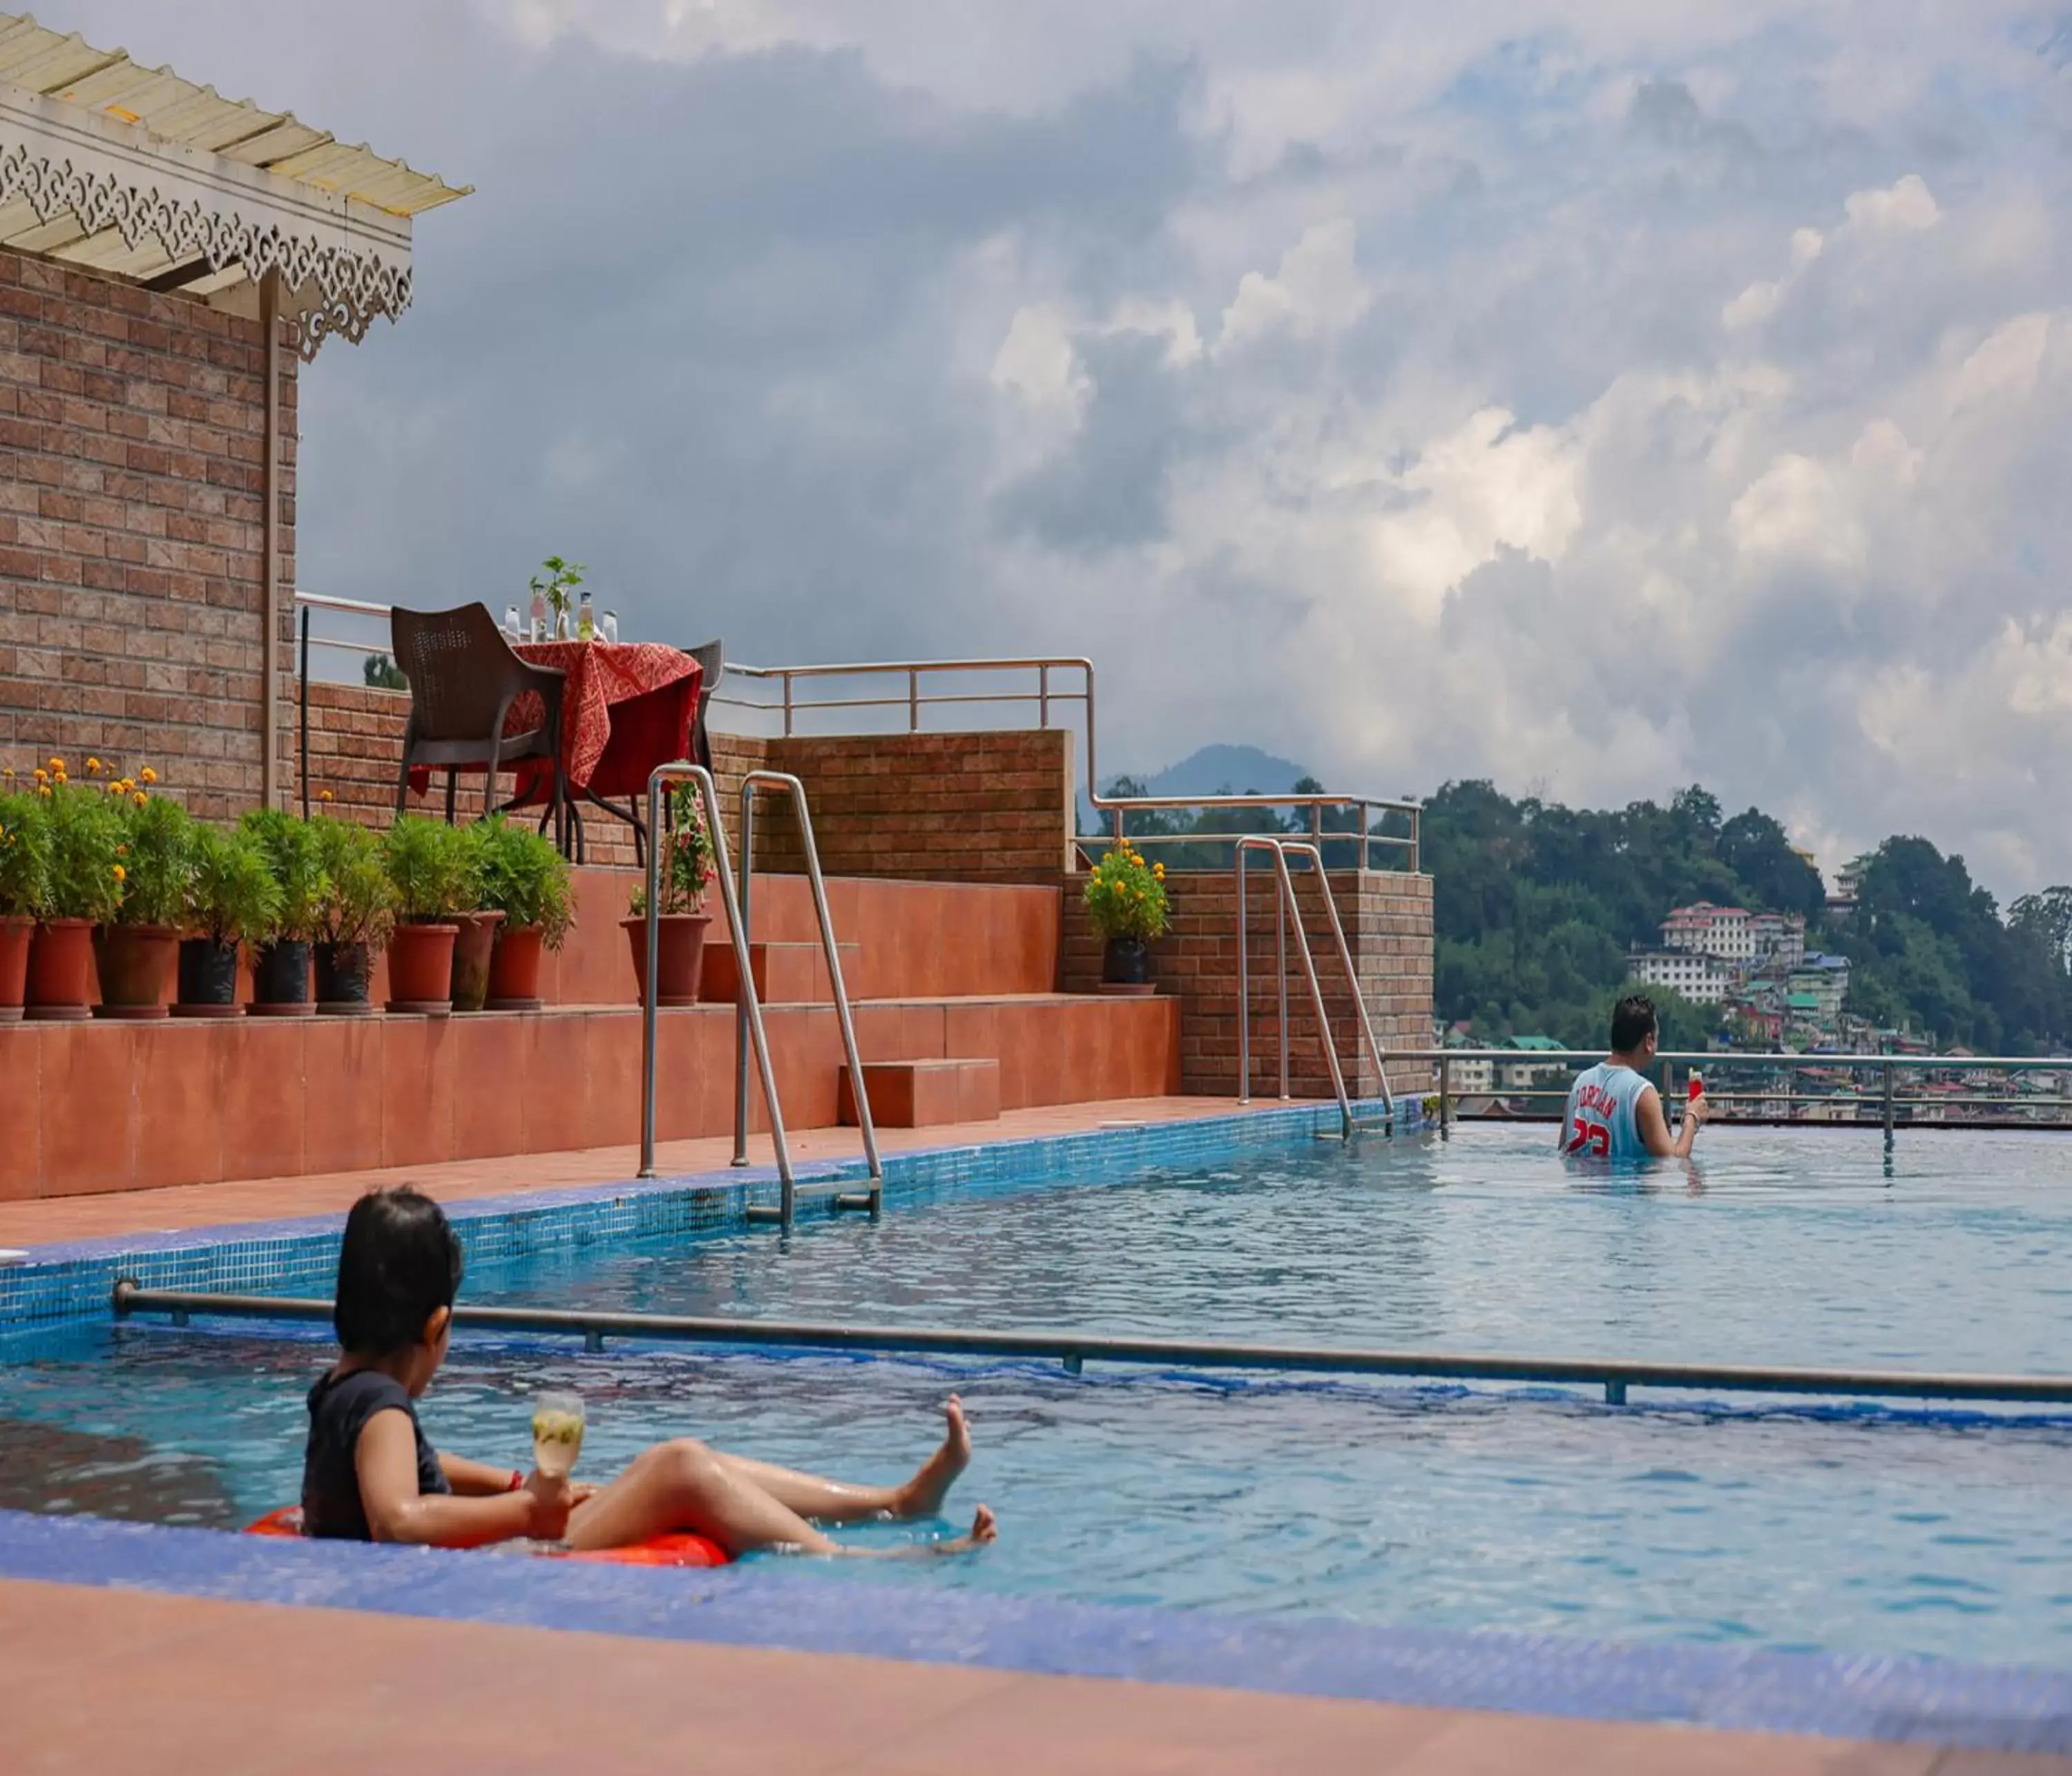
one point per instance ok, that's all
(768, 1605)
(73, 1280)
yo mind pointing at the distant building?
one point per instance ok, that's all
(1824, 982)
(1778, 937)
(1726, 932)
(1702, 979)
(1523, 1076)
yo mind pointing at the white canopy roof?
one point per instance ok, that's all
(135, 173)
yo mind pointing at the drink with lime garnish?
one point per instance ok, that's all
(558, 1433)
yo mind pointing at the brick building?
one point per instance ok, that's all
(166, 259)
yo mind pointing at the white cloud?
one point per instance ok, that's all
(1907, 207)
(1318, 289)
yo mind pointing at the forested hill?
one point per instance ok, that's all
(1537, 905)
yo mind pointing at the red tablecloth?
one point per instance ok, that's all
(625, 708)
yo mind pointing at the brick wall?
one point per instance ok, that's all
(985, 807)
(1387, 918)
(132, 440)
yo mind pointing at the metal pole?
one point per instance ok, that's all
(740, 994)
(1445, 1096)
(1243, 992)
(1043, 697)
(716, 827)
(1315, 992)
(787, 705)
(1280, 967)
(913, 701)
(1887, 1070)
(302, 701)
(1352, 982)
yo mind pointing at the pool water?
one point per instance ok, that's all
(1880, 1530)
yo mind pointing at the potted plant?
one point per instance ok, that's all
(431, 871)
(135, 951)
(477, 921)
(529, 881)
(281, 961)
(85, 877)
(1126, 899)
(232, 899)
(25, 862)
(685, 860)
(353, 917)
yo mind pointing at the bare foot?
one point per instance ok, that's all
(984, 1532)
(922, 1496)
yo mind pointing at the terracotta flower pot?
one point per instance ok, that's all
(514, 969)
(16, 933)
(280, 979)
(420, 968)
(209, 979)
(342, 975)
(134, 962)
(1126, 968)
(680, 946)
(61, 979)
(472, 944)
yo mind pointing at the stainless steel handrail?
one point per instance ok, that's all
(738, 929)
(1074, 1349)
(913, 700)
(1285, 907)
(872, 1200)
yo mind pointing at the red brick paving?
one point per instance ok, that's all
(103, 1681)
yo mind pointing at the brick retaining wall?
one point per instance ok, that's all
(132, 440)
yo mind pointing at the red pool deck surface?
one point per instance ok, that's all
(103, 1681)
(52, 1219)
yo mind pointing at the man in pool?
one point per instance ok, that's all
(1613, 1113)
(369, 1474)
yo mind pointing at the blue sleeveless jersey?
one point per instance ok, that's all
(1602, 1121)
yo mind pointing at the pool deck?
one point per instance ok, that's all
(95, 1679)
(49, 1220)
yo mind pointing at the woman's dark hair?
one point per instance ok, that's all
(400, 1265)
(1633, 1022)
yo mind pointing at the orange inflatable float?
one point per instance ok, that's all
(679, 1548)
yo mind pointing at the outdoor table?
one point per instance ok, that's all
(625, 708)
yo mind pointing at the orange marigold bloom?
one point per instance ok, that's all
(148, 774)
(323, 794)
(93, 767)
(121, 874)
(140, 798)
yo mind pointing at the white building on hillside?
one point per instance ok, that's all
(1700, 979)
(1726, 932)
(1779, 937)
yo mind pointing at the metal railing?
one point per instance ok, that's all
(1892, 1110)
(873, 1199)
(1285, 907)
(789, 706)
(1074, 1349)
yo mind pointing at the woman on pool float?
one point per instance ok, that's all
(369, 1474)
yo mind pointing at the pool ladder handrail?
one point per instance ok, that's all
(749, 1014)
(1284, 905)
(870, 1201)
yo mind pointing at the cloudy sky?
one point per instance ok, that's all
(1595, 394)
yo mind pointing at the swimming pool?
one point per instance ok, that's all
(1882, 1531)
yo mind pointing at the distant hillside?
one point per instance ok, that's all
(1208, 772)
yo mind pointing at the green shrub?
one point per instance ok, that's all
(87, 871)
(25, 855)
(231, 895)
(359, 903)
(158, 856)
(686, 856)
(525, 878)
(431, 866)
(290, 848)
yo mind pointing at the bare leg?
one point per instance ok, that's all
(684, 1485)
(834, 1502)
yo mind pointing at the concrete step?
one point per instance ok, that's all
(925, 1094)
(785, 974)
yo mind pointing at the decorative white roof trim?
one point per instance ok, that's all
(342, 262)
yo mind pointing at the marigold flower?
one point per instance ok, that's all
(148, 774)
(42, 775)
(113, 789)
(57, 764)
(140, 798)
(323, 794)
(121, 874)
(42, 789)
(128, 784)
(93, 767)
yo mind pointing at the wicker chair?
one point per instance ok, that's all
(464, 678)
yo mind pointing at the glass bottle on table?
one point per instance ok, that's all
(539, 612)
(585, 620)
(612, 626)
(511, 631)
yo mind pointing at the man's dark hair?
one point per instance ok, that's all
(1633, 1022)
(400, 1265)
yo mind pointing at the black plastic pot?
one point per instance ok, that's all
(280, 979)
(1126, 962)
(342, 973)
(207, 979)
